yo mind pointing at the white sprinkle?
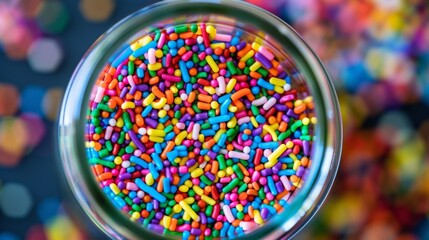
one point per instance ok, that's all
(286, 182)
(267, 152)
(196, 131)
(246, 149)
(200, 39)
(228, 213)
(166, 107)
(183, 96)
(180, 125)
(269, 104)
(126, 164)
(112, 122)
(243, 120)
(286, 87)
(239, 155)
(259, 101)
(142, 131)
(140, 194)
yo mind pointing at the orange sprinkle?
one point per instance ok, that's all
(105, 176)
(241, 65)
(273, 72)
(193, 72)
(252, 192)
(113, 83)
(98, 168)
(205, 98)
(203, 106)
(215, 167)
(170, 96)
(160, 186)
(281, 195)
(147, 198)
(173, 224)
(139, 120)
(186, 35)
(255, 186)
(168, 148)
(218, 51)
(300, 109)
(173, 36)
(250, 211)
(232, 49)
(241, 93)
(259, 167)
(182, 51)
(176, 179)
(245, 50)
(243, 169)
(144, 139)
(157, 92)
(95, 137)
(255, 75)
(236, 222)
(191, 97)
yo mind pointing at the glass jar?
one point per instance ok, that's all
(309, 77)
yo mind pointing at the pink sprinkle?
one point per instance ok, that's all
(263, 180)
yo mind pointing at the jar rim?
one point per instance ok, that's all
(71, 124)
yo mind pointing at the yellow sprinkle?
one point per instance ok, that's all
(160, 103)
(230, 85)
(186, 216)
(177, 208)
(277, 82)
(131, 58)
(231, 123)
(135, 46)
(145, 41)
(198, 190)
(149, 179)
(297, 103)
(210, 89)
(189, 200)
(183, 188)
(256, 46)
(211, 31)
(229, 171)
(118, 160)
(308, 99)
(270, 164)
(127, 105)
(212, 64)
(296, 164)
(188, 183)
(270, 131)
(314, 120)
(154, 67)
(208, 200)
(221, 174)
(177, 160)
(174, 121)
(254, 122)
(201, 137)
(214, 105)
(289, 144)
(218, 134)
(162, 113)
(153, 132)
(159, 53)
(279, 90)
(293, 156)
(305, 121)
(255, 66)
(149, 99)
(217, 45)
(177, 100)
(257, 217)
(197, 172)
(239, 207)
(247, 56)
(232, 108)
(275, 126)
(120, 122)
(174, 89)
(177, 73)
(114, 188)
(180, 137)
(276, 154)
(189, 211)
(135, 215)
(156, 139)
(166, 221)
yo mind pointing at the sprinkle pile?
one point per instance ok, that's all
(196, 132)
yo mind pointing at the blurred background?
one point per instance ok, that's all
(376, 51)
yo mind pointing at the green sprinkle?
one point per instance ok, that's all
(231, 67)
(131, 67)
(102, 162)
(231, 185)
(181, 29)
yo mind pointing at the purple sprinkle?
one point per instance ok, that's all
(102, 141)
(154, 114)
(138, 103)
(207, 68)
(290, 113)
(136, 200)
(241, 45)
(263, 60)
(209, 51)
(212, 154)
(142, 87)
(123, 92)
(186, 117)
(306, 147)
(279, 186)
(196, 231)
(210, 176)
(195, 48)
(203, 218)
(257, 131)
(161, 86)
(152, 123)
(282, 75)
(155, 227)
(115, 137)
(266, 172)
(190, 163)
(197, 144)
(277, 167)
(300, 171)
(264, 213)
(285, 118)
(176, 107)
(133, 90)
(124, 176)
(121, 185)
(201, 116)
(137, 141)
(159, 215)
(281, 107)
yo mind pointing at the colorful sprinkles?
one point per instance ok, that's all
(196, 132)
